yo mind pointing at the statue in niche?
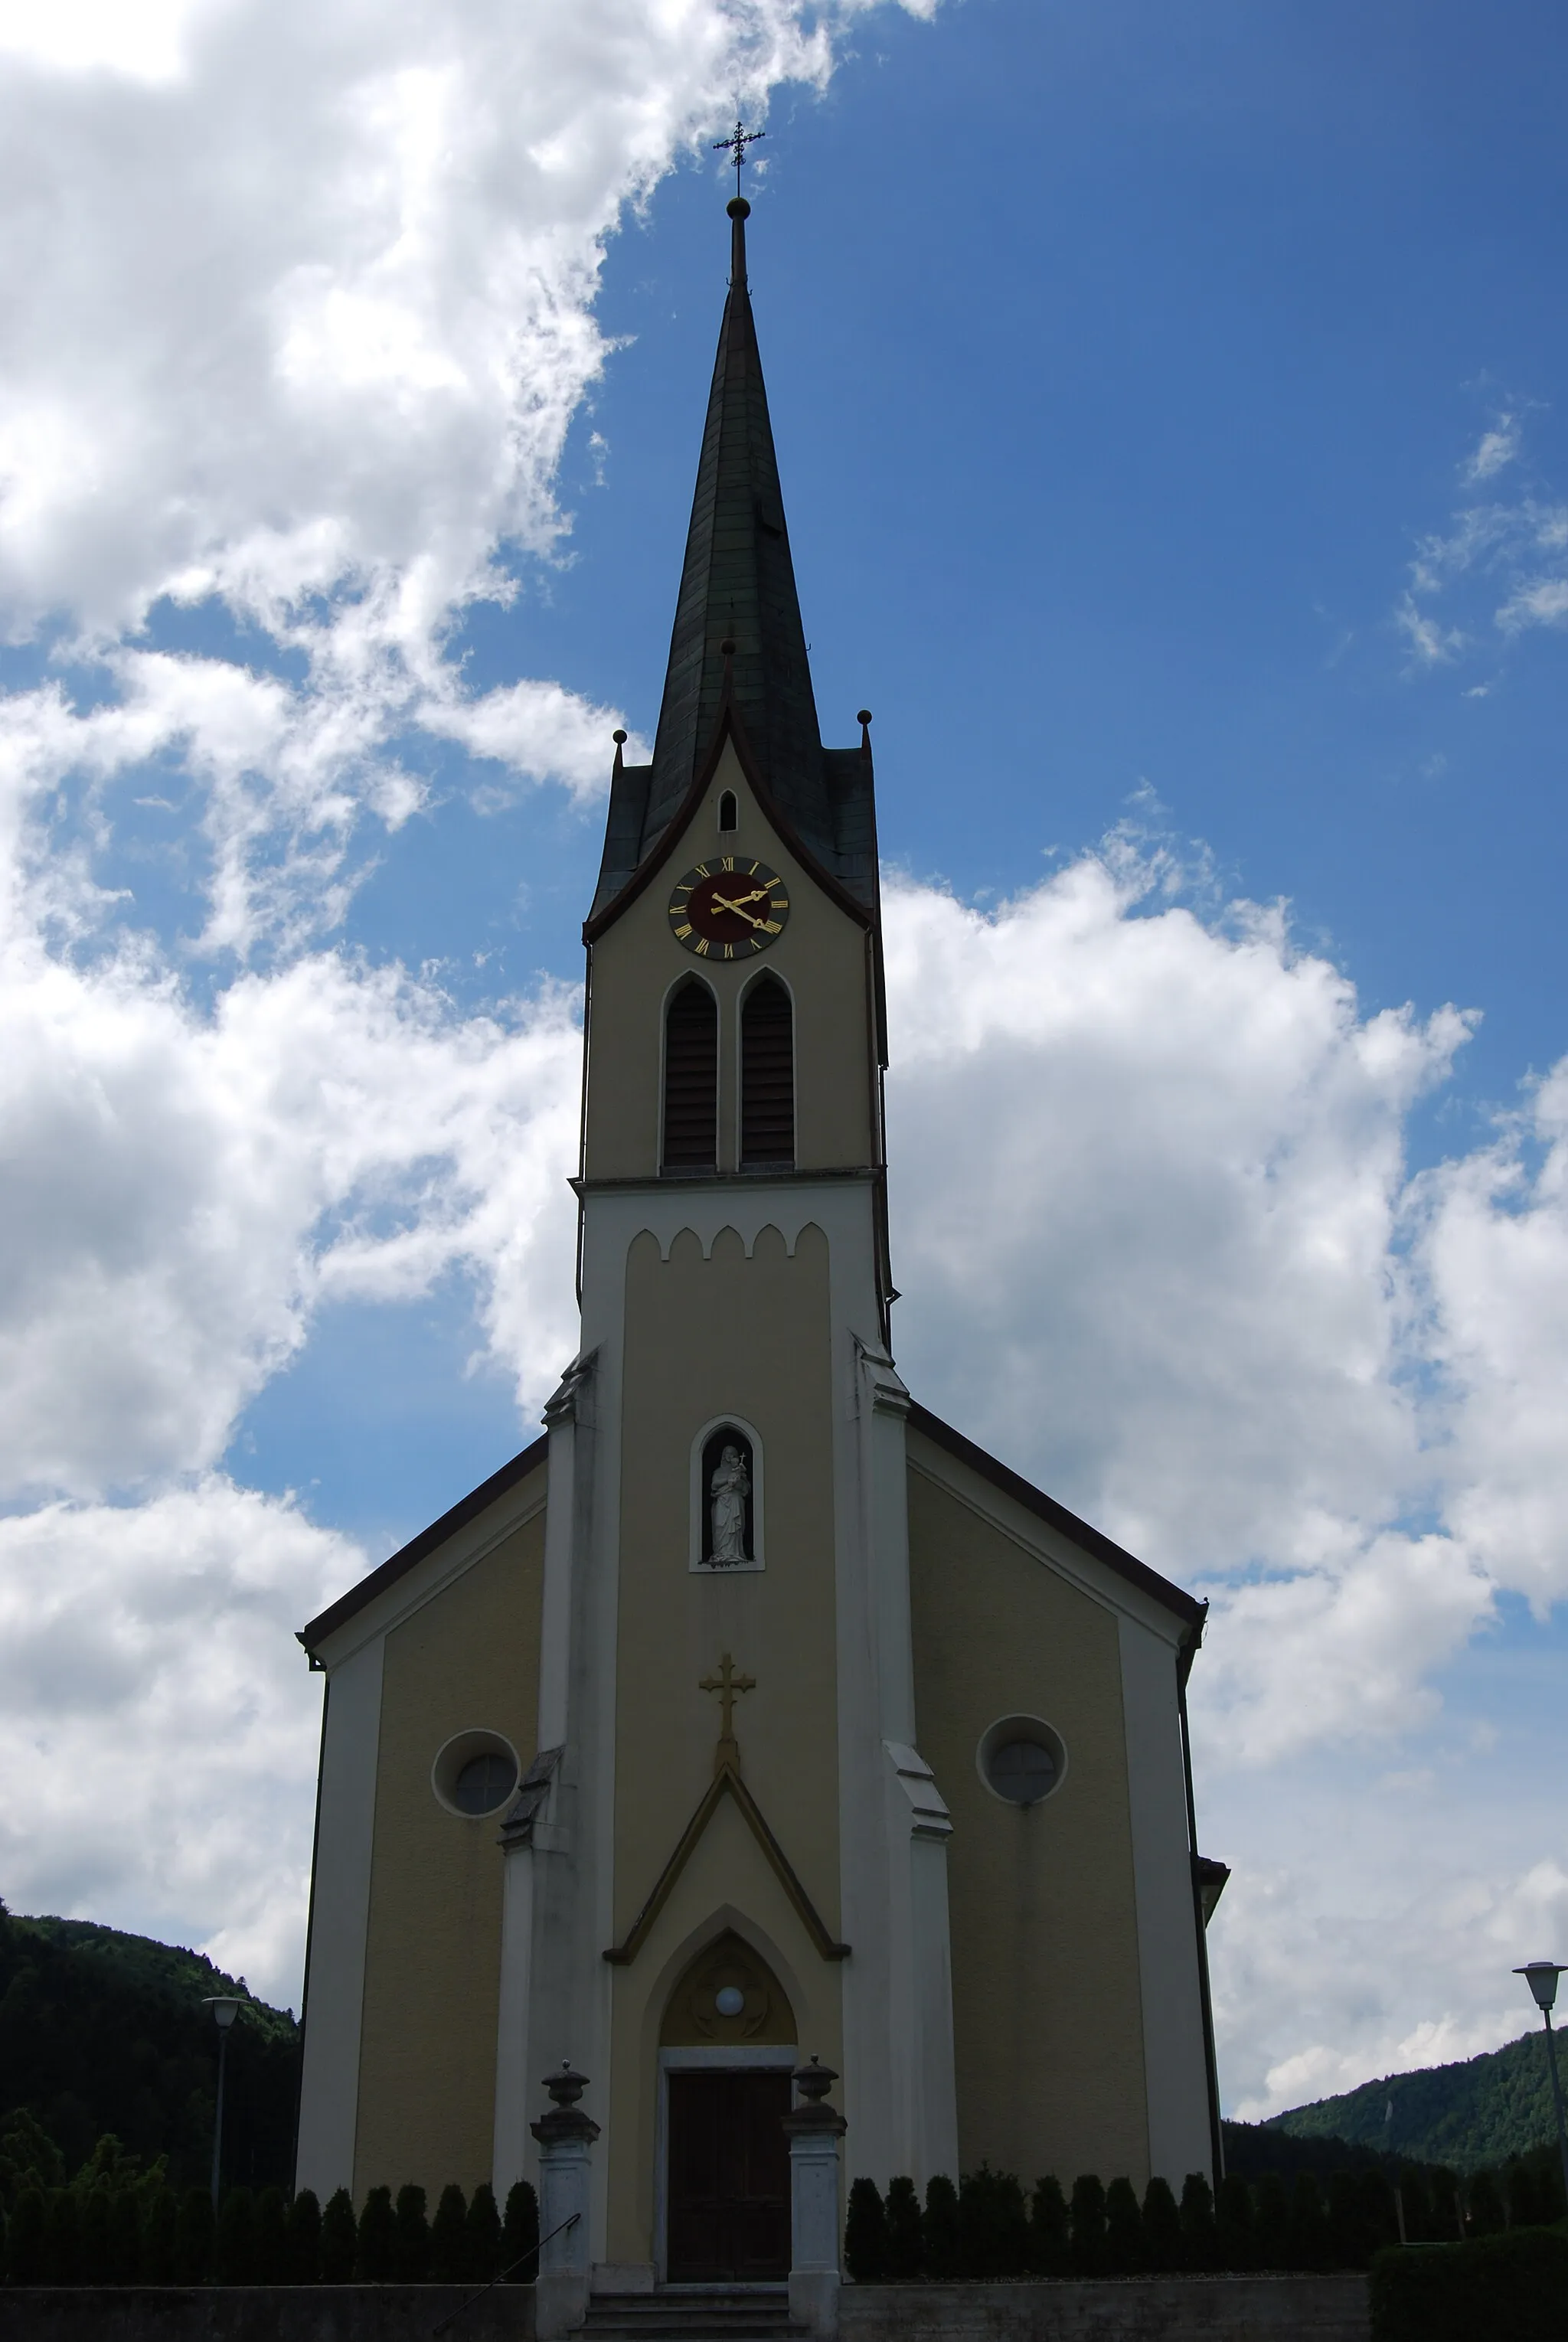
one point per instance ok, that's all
(727, 1470)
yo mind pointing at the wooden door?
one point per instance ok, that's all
(729, 2209)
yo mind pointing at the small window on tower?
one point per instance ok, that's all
(691, 1079)
(767, 1078)
(727, 812)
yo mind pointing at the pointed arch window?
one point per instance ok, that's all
(691, 1079)
(767, 1078)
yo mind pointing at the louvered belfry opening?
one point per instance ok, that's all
(767, 1078)
(691, 1079)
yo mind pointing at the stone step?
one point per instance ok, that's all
(697, 2314)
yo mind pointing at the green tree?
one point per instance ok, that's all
(520, 2234)
(160, 2218)
(1086, 2226)
(1162, 2226)
(866, 2233)
(1234, 2245)
(1124, 2228)
(94, 2235)
(906, 2238)
(303, 2257)
(195, 2238)
(60, 2266)
(1049, 2250)
(1308, 2232)
(234, 2257)
(940, 2226)
(1484, 2213)
(449, 2238)
(1197, 2214)
(993, 2225)
(484, 2226)
(339, 2239)
(24, 2252)
(377, 2233)
(104, 2033)
(125, 2236)
(272, 2257)
(1272, 2223)
(411, 2238)
(28, 2157)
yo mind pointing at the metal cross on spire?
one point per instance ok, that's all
(739, 139)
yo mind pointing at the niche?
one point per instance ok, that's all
(726, 1499)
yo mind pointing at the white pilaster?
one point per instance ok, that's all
(340, 1921)
(1175, 2077)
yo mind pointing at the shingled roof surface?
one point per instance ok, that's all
(738, 585)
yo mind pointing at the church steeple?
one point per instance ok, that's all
(738, 589)
(738, 584)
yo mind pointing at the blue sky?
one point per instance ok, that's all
(1170, 409)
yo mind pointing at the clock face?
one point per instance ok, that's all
(729, 908)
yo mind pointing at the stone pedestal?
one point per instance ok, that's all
(814, 2129)
(566, 2136)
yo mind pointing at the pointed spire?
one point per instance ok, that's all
(738, 584)
(738, 651)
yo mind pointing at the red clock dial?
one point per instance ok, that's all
(730, 908)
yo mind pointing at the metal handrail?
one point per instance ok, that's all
(532, 2254)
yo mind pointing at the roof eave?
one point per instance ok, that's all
(727, 726)
(1174, 1598)
(478, 1500)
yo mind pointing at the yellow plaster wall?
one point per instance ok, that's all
(822, 957)
(705, 1338)
(1048, 2041)
(468, 1658)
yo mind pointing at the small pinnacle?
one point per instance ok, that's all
(864, 716)
(619, 738)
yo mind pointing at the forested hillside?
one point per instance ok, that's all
(101, 2031)
(1478, 2111)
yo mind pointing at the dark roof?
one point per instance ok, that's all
(478, 1501)
(1024, 1492)
(738, 585)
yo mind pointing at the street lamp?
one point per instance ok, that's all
(1541, 1978)
(225, 2009)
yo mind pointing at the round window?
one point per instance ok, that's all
(475, 1773)
(1021, 1759)
(483, 1783)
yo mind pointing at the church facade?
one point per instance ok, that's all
(752, 1713)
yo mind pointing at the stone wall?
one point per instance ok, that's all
(1130, 2310)
(263, 2313)
(1134, 2309)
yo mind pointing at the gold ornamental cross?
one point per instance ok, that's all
(727, 1684)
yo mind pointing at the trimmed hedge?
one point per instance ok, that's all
(1501, 2289)
(143, 2234)
(987, 2229)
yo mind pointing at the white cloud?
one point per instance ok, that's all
(1522, 545)
(181, 1189)
(1496, 448)
(299, 309)
(157, 1724)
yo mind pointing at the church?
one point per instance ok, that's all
(753, 1713)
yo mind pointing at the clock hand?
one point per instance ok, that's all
(720, 903)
